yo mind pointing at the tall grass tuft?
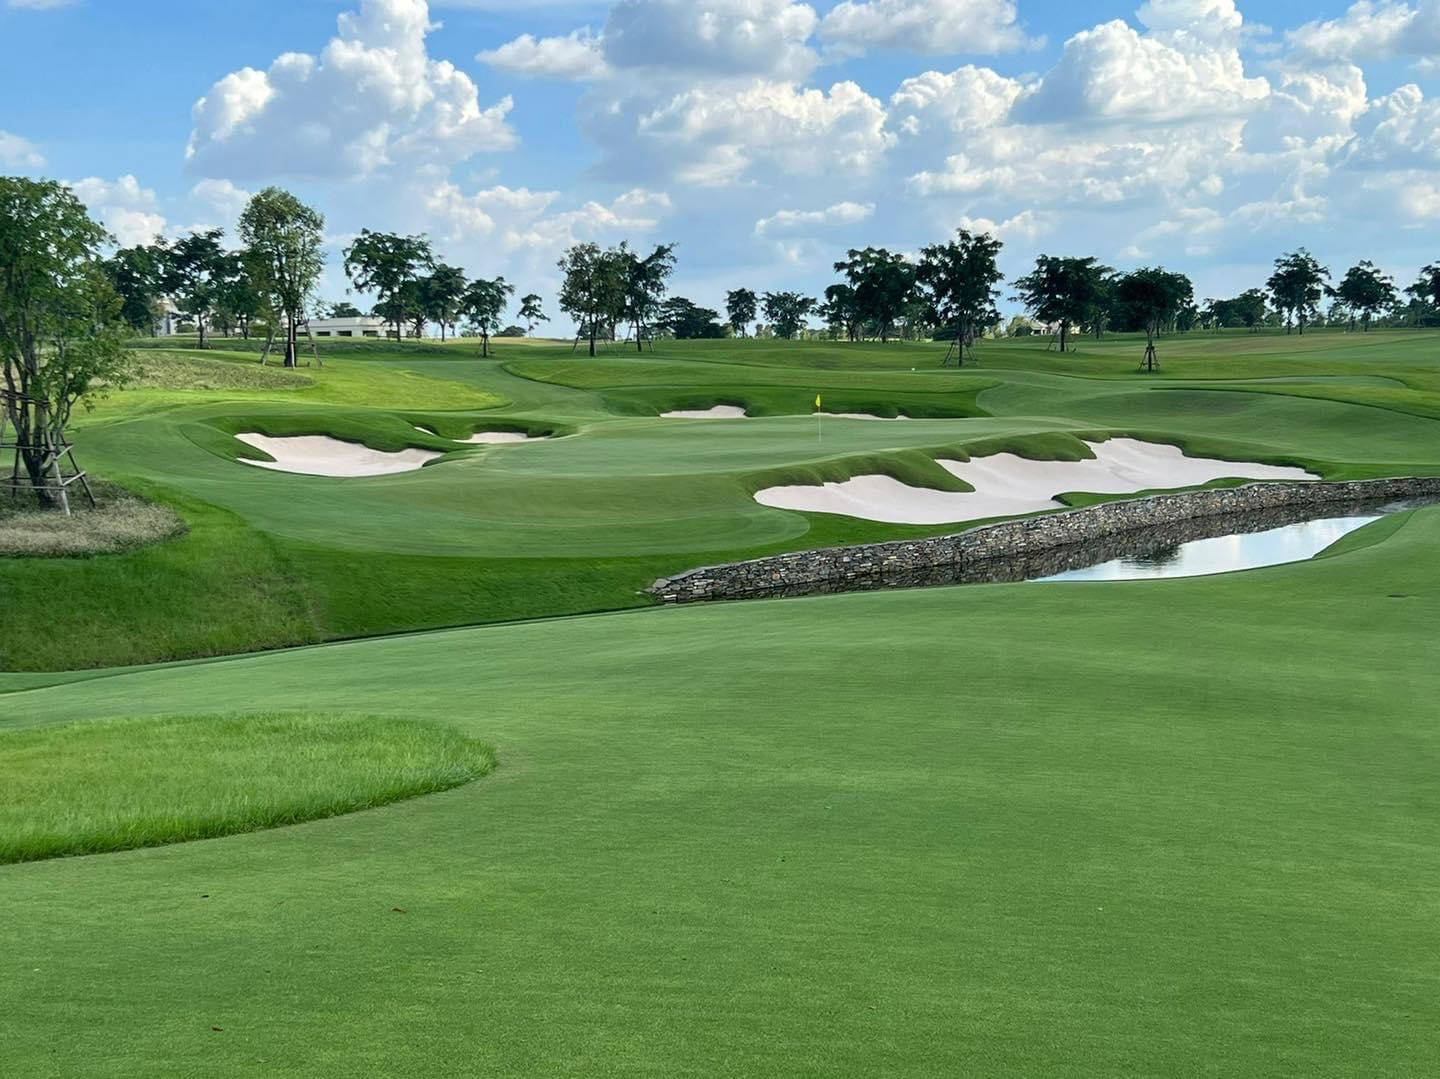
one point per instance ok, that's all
(111, 785)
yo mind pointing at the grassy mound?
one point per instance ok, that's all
(92, 787)
(118, 522)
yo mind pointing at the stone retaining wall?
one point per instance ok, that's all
(869, 565)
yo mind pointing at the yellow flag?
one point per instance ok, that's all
(817, 400)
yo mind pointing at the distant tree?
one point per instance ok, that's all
(958, 280)
(1249, 309)
(1297, 286)
(1364, 290)
(644, 281)
(532, 312)
(237, 299)
(134, 273)
(339, 309)
(385, 263)
(60, 327)
(484, 307)
(284, 245)
(592, 290)
(684, 320)
(1019, 326)
(883, 284)
(1062, 291)
(512, 331)
(1188, 317)
(741, 306)
(787, 312)
(192, 269)
(1423, 308)
(442, 296)
(841, 311)
(1156, 296)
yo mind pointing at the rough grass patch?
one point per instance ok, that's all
(120, 522)
(111, 785)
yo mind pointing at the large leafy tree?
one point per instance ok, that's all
(193, 270)
(532, 311)
(389, 265)
(958, 280)
(883, 284)
(787, 311)
(592, 290)
(239, 299)
(1155, 297)
(442, 295)
(283, 240)
(1297, 287)
(687, 321)
(1364, 290)
(1425, 295)
(1062, 291)
(741, 307)
(134, 273)
(841, 310)
(645, 280)
(59, 322)
(484, 306)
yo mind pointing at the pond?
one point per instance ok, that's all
(1270, 545)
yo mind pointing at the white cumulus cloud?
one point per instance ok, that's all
(372, 98)
(131, 212)
(18, 153)
(842, 213)
(932, 27)
(578, 56)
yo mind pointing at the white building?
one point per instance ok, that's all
(364, 326)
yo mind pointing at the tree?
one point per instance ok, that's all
(1155, 296)
(741, 306)
(957, 280)
(237, 298)
(1365, 290)
(134, 274)
(1425, 296)
(384, 263)
(883, 283)
(192, 269)
(787, 311)
(338, 309)
(59, 322)
(644, 284)
(1249, 308)
(442, 296)
(484, 305)
(532, 312)
(841, 310)
(686, 321)
(1296, 287)
(1061, 291)
(283, 241)
(592, 289)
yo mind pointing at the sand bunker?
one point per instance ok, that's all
(1007, 485)
(488, 438)
(321, 455)
(861, 416)
(719, 412)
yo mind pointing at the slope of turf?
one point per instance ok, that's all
(87, 788)
(1170, 827)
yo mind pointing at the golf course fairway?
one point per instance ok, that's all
(1171, 827)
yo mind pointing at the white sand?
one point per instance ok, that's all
(861, 416)
(321, 455)
(486, 438)
(719, 412)
(1006, 485)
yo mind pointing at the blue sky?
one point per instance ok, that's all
(764, 136)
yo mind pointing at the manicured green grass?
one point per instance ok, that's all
(89, 788)
(1150, 828)
(587, 518)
